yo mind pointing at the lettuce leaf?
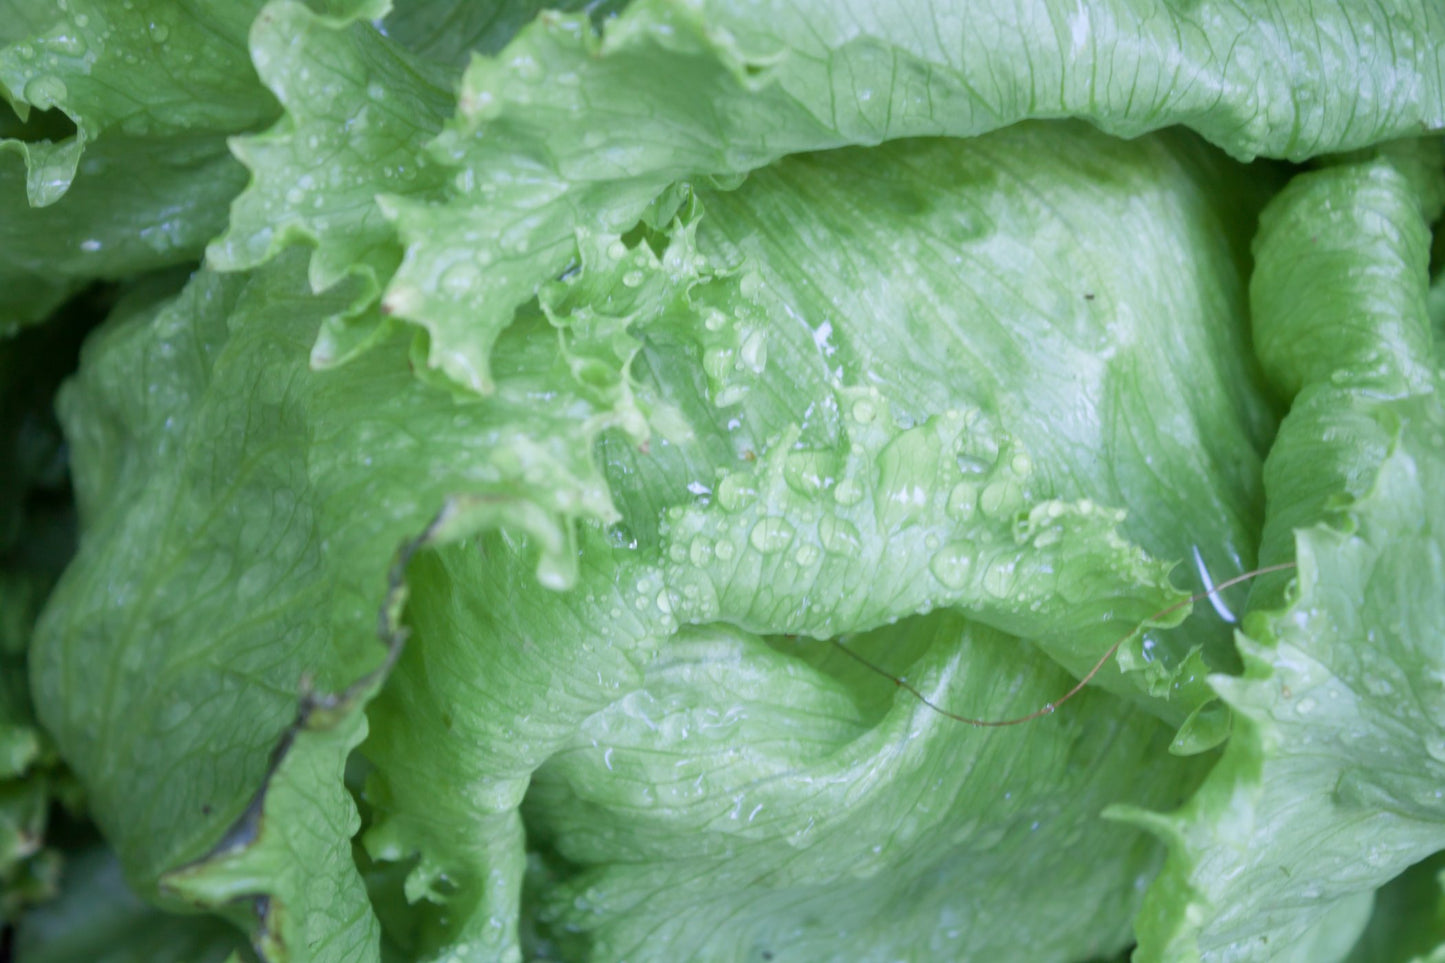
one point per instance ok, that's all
(750, 83)
(1407, 923)
(805, 463)
(500, 537)
(1329, 785)
(99, 919)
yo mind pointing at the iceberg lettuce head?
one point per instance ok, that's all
(556, 484)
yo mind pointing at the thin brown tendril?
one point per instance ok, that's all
(1049, 707)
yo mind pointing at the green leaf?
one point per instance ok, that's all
(37, 535)
(358, 109)
(175, 201)
(100, 920)
(563, 128)
(1329, 785)
(1408, 922)
(451, 31)
(145, 69)
(857, 457)
(1006, 319)
(744, 804)
(296, 831)
(741, 336)
(219, 481)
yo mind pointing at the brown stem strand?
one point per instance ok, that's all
(1049, 707)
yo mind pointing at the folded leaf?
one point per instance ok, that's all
(564, 128)
(358, 110)
(207, 589)
(1329, 785)
(855, 460)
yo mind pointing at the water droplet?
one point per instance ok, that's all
(809, 472)
(962, 501)
(459, 278)
(839, 536)
(754, 351)
(46, 92)
(998, 579)
(1305, 706)
(526, 67)
(736, 491)
(864, 411)
(731, 395)
(972, 464)
(632, 279)
(771, 534)
(848, 492)
(159, 32)
(1000, 497)
(717, 362)
(617, 250)
(806, 554)
(1047, 537)
(953, 564)
(72, 45)
(1435, 746)
(907, 468)
(699, 551)
(724, 550)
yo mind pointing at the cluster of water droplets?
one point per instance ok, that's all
(803, 537)
(72, 45)
(732, 338)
